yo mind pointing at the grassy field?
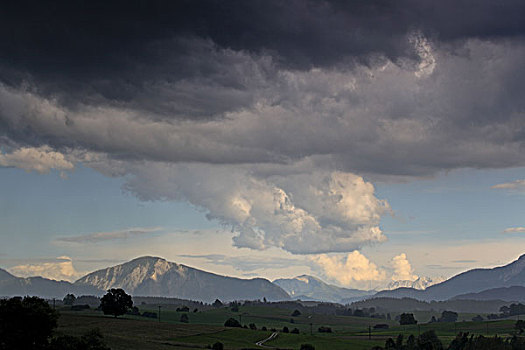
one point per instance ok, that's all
(206, 327)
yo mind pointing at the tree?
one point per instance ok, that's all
(90, 341)
(116, 302)
(448, 316)
(477, 318)
(184, 318)
(406, 318)
(520, 326)
(429, 341)
(231, 322)
(296, 313)
(253, 326)
(69, 299)
(307, 347)
(295, 331)
(286, 330)
(26, 323)
(217, 303)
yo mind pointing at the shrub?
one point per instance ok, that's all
(324, 329)
(231, 322)
(294, 331)
(307, 347)
(296, 313)
(286, 330)
(217, 346)
(184, 318)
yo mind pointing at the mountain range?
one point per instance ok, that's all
(153, 276)
(311, 288)
(472, 281)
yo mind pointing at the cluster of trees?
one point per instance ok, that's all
(449, 316)
(512, 310)
(426, 341)
(29, 322)
(429, 341)
(406, 319)
(364, 312)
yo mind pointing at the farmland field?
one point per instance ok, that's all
(206, 328)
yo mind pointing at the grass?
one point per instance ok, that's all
(206, 328)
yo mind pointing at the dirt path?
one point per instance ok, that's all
(261, 342)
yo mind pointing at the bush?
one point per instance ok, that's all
(231, 322)
(149, 314)
(294, 331)
(253, 326)
(80, 307)
(307, 347)
(217, 346)
(381, 326)
(184, 318)
(296, 313)
(324, 329)
(90, 341)
(448, 316)
(286, 330)
(264, 328)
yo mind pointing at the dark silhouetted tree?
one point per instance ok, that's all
(429, 341)
(116, 302)
(217, 303)
(69, 299)
(253, 326)
(406, 318)
(184, 318)
(26, 323)
(286, 330)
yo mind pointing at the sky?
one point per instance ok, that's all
(360, 142)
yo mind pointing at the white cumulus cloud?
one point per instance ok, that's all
(61, 269)
(514, 230)
(40, 159)
(403, 271)
(353, 269)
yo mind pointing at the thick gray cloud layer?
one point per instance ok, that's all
(262, 113)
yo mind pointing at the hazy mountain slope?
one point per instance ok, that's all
(17, 286)
(515, 293)
(151, 276)
(471, 281)
(311, 288)
(420, 283)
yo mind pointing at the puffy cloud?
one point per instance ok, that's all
(41, 159)
(352, 270)
(315, 213)
(518, 185)
(112, 235)
(402, 269)
(514, 230)
(61, 269)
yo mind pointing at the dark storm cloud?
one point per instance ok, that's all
(257, 111)
(110, 49)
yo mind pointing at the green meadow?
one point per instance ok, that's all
(207, 327)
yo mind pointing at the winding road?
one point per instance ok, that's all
(261, 342)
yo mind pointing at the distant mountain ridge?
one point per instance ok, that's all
(307, 287)
(153, 276)
(420, 283)
(472, 281)
(18, 286)
(514, 293)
